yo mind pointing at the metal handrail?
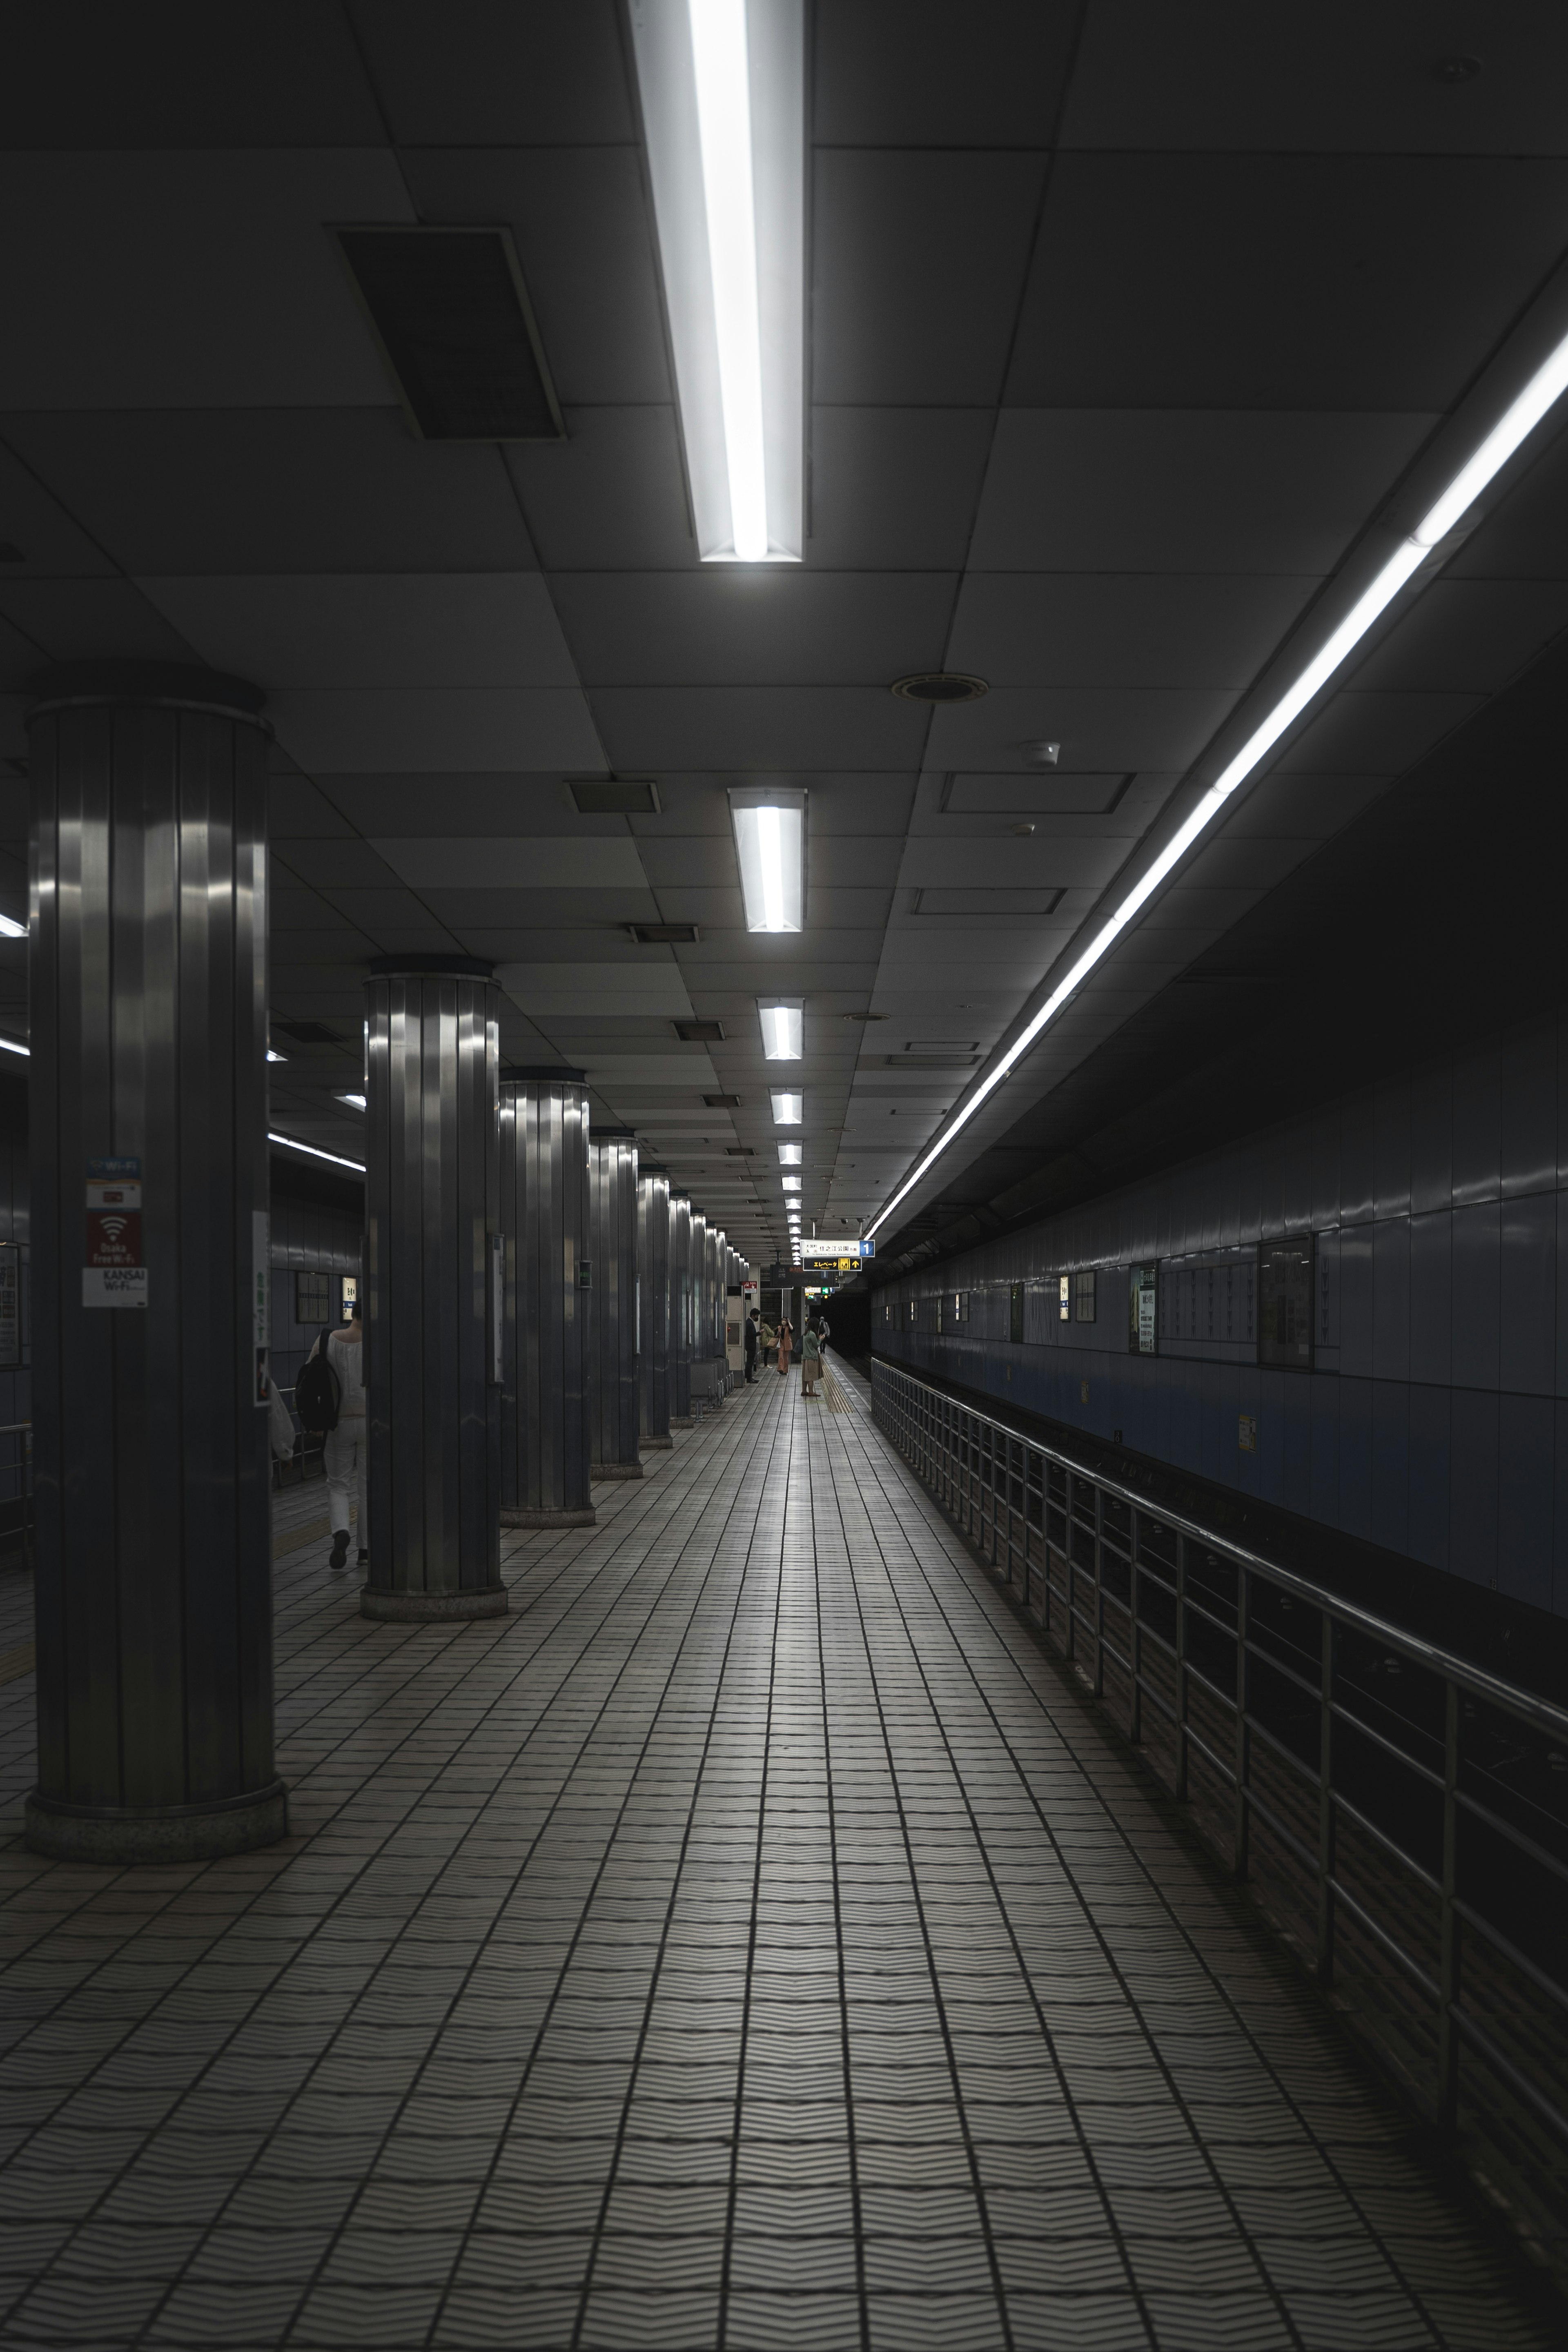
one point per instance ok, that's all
(1046, 1526)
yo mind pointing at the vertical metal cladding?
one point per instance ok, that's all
(545, 1413)
(432, 1226)
(147, 975)
(652, 1294)
(613, 1303)
(701, 1377)
(680, 1240)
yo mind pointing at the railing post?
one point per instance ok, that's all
(1071, 1650)
(1448, 1959)
(1239, 1836)
(1181, 1669)
(1135, 1651)
(1011, 1442)
(1099, 1592)
(1326, 1804)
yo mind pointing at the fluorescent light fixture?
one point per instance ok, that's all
(355, 1102)
(15, 1045)
(791, 1154)
(789, 1109)
(1543, 392)
(723, 101)
(10, 929)
(783, 1029)
(276, 1057)
(791, 1183)
(292, 1144)
(770, 847)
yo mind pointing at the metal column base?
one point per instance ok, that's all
(666, 1443)
(616, 1470)
(521, 1519)
(680, 1421)
(170, 1834)
(432, 1608)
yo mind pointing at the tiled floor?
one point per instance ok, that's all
(748, 1942)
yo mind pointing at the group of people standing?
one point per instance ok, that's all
(768, 1341)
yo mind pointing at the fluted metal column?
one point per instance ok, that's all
(148, 1147)
(653, 1311)
(701, 1371)
(432, 1285)
(544, 1198)
(679, 1310)
(613, 1303)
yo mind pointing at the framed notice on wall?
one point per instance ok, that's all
(1142, 1310)
(1285, 1303)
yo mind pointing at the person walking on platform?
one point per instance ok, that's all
(752, 1320)
(787, 1341)
(769, 1339)
(344, 1451)
(810, 1361)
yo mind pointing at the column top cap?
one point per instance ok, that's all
(535, 1073)
(430, 967)
(614, 1135)
(144, 681)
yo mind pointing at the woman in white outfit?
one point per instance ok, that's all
(343, 1452)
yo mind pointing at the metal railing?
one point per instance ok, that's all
(21, 1470)
(1403, 1814)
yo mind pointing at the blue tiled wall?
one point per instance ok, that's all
(1436, 1419)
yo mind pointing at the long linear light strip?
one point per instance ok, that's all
(1539, 395)
(293, 1144)
(725, 127)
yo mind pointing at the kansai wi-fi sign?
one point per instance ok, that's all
(112, 1274)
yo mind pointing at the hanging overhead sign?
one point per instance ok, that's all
(816, 1253)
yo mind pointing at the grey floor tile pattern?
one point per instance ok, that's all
(748, 1943)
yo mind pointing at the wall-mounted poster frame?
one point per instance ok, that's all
(1285, 1303)
(1142, 1310)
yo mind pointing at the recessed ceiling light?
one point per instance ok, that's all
(791, 1183)
(723, 104)
(789, 1109)
(791, 1154)
(939, 686)
(355, 1102)
(783, 1029)
(770, 847)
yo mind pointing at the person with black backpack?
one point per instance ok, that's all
(329, 1396)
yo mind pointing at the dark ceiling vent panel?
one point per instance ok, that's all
(615, 796)
(665, 935)
(701, 1033)
(722, 1102)
(451, 313)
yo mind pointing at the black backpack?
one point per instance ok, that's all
(317, 1392)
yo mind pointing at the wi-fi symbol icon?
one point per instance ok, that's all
(113, 1227)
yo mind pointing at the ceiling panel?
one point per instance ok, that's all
(1096, 728)
(1119, 629)
(895, 488)
(103, 252)
(1040, 865)
(1365, 81)
(731, 626)
(1370, 283)
(287, 489)
(494, 77)
(885, 221)
(751, 728)
(434, 863)
(1174, 490)
(426, 730)
(594, 990)
(379, 629)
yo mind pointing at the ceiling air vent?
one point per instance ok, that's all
(939, 686)
(306, 1033)
(740, 1152)
(701, 1033)
(722, 1102)
(615, 796)
(451, 314)
(664, 935)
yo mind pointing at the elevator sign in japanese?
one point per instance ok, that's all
(112, 1274)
